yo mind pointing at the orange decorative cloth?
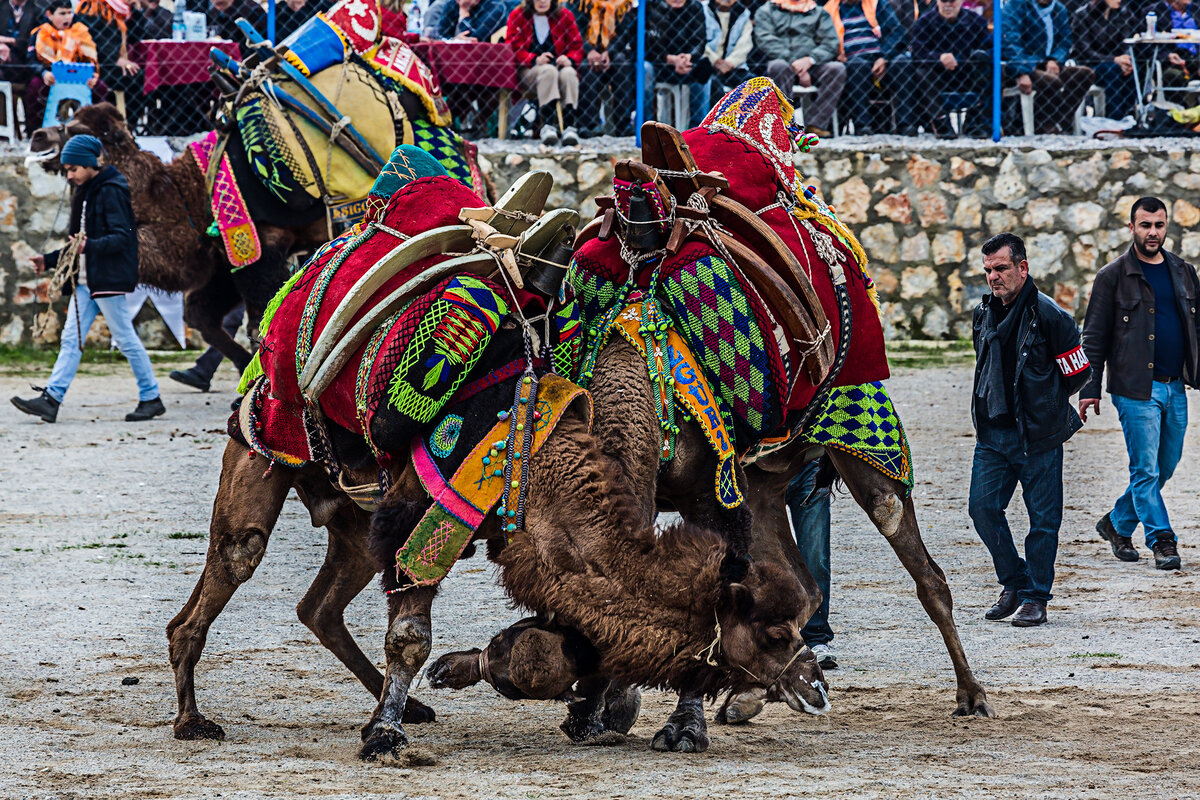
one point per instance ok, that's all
(603, 16)
(868, 6)
(114, 11)
(72, 44)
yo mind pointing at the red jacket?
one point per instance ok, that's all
(563, 32)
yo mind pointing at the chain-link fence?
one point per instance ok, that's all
(598, 67)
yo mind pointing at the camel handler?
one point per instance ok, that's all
(104, 249)
(1028, 364)
(1143, 307)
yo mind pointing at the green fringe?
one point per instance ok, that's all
(254, 368)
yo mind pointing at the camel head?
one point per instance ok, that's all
(760, 620)
(102, 120)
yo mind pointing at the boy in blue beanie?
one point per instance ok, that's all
(102, 223)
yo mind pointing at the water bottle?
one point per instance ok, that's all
(178, 26)
(1151, 25)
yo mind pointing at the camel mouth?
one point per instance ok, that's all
(797, 701)
(39, 156)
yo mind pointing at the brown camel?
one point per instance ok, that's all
(677, 602)
(173, 212)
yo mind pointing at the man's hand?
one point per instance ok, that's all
(39, 264)
(465, 37)
(1176, 59)
(1052, 68)
(92, 81)
(5, 52)
(544, 58)
(1024, 84)
(802, 65)
(563, 61)
(1125, 63)
(128, 67)
(48, 78)
(1088, 402)
(722, 66)
(878, 68)
(948, 61)
(598, 60)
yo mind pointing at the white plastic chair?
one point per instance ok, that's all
(8, 128)
(673, 103)
(798, 95)
(1026, 107)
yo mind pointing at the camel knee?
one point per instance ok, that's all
(887, 512)
(241, 557)
(408, 641)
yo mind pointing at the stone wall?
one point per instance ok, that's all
(921, 210)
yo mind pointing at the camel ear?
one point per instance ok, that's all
(741, 599)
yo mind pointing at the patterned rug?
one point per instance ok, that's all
(862, 421)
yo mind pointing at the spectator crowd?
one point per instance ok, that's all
(867, 66)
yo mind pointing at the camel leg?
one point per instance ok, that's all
(685, 731)
(205, 309)
(245, 511)
(407, 644)
(584, 720)
(896, 519)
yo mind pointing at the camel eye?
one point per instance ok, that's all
(778, 636)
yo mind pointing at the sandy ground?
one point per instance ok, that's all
(102, 535)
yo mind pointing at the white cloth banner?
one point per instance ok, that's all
(168, 304)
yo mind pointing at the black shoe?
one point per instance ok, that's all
(1166, 555)
(942, 128)
(1030, 614)
(43, 406)
(190, 377)
(1005, 606)
(146, 409)
(1122, 546)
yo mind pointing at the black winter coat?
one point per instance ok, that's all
(1098, 39)
(1050, 368)
(112, 248)
(1119, 326)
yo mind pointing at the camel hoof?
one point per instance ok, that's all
(675, 740)
(581, 729)
(975, 706)
(621, 709)
(603, 739)
(417, 713)
(382, 740)
(454, 670)
(198, 727)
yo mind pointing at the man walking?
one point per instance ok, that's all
(102, 221)
(1142, 320)
(1028, 364)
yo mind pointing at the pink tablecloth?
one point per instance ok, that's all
(477, 63)
(170, 63)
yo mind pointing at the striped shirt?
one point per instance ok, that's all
(859, 40)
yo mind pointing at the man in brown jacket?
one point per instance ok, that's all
(1141, 320)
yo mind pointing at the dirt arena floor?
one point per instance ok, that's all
(102, 536)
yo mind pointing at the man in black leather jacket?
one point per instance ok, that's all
(1029, 363)
(1141, 320)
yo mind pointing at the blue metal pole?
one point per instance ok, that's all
(271, 21)
(997, 22)
(639, 84)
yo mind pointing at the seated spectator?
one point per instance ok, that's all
(609, 29)
(223, 16)
(151, 20)
(109, 23)
(951, 52)
(729, 44)
(291, 14)
(676, 32)
(432, 17)
(471, 20)
(57, 39)
(1100, 29)
(801, 44)
(909, 11)
(548, 49)
(1180, 60)
(870, 37)
(1037, 39)
(17, 20)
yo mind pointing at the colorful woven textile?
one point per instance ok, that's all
(396, 60)
(758, 113)
(232, 217)
(406, 164)
(461, 503)
(272, 149)
(447, 147)
(862, 421)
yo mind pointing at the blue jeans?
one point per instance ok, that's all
(999, 464)
(1154, 431)
(120, 326)
(809, 505)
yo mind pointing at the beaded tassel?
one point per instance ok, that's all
(653, 328)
